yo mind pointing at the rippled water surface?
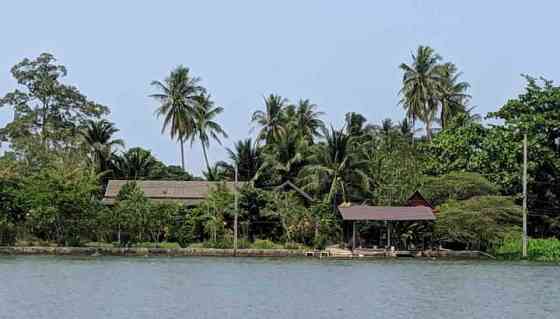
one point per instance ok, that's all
(104, 287)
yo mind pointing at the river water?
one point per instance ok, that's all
(137, 288)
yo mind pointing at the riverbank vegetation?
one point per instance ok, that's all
(60, 151)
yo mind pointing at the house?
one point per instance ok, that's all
(189, 193)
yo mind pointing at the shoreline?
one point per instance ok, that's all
(214, 252)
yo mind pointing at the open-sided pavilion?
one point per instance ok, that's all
(357, 213)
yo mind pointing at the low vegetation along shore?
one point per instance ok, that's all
(60, 151)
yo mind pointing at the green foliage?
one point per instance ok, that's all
(7, 232)
(49, 112)
(298, 223)
(265, 244)
(479, 222)
(454, 149)
(537, 249)
(457, 186)
(393, 165)
(60, 201)
(139, 219)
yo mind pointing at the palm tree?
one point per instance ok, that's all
(335, 168)
(452, 96)
(354, 123)
(286, 156)
(136, 163)
(98, 136)
(271, 119)
(205, 127)
(420, 82)
(308, 121)
(247, 157)
(176, 98)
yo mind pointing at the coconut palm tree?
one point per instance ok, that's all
(335, 169)
(271, 120)
(247, 157)
(136, 163)
(176, 96)
(354, 123)
(452, 97)
(98, 136)
(308, 120)
(420, 84)
(204, 124)
(285, 158)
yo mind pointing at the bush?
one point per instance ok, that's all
(265, 244)
(60, 201)
(165, 245)
(218, 244)
(537, 249)
(456, 185)
(7, 232)
(479, 222)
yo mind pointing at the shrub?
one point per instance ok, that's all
(7, 232)
(265, 244)
(218, 244)
(537, 249)
(479, 222)
(165, 245)
(456, 185)
(60, 200)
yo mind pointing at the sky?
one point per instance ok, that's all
(342, 55)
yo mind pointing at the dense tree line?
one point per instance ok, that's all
(62, 151)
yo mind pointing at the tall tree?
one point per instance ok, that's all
(335, 169)
(452, 93)
(98, 136)
(47, 110)
(205, 125)
(177, 98)
(354, 123)
(420, 84)
(308, 120)
(136, 163)
(286, 156)
(271, 119)
(247, 157)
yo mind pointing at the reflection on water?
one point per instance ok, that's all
(105, 287)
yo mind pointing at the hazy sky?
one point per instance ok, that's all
(343, 55)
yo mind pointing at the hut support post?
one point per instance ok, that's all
(388, 234)
(353, 235)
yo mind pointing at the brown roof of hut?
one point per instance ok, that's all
(186, 192)
(381, 213)
(417, 199)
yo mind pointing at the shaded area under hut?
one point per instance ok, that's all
(405, 227)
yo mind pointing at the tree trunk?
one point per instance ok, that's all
(429, 130)
(205, 157)
(182, 154)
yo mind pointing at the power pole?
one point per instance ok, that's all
(235, 216)
(525, 195)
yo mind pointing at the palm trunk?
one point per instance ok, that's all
(443, 108)
(182, 154)
(205, 157)
(429, 130)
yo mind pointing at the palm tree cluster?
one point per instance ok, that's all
(292, 143)
(188, 111)
(430, 87)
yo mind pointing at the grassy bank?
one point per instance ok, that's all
(537, 250)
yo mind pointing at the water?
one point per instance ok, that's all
(104, 287)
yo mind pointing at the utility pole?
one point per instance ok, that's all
(235, 216)
(525, 195)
